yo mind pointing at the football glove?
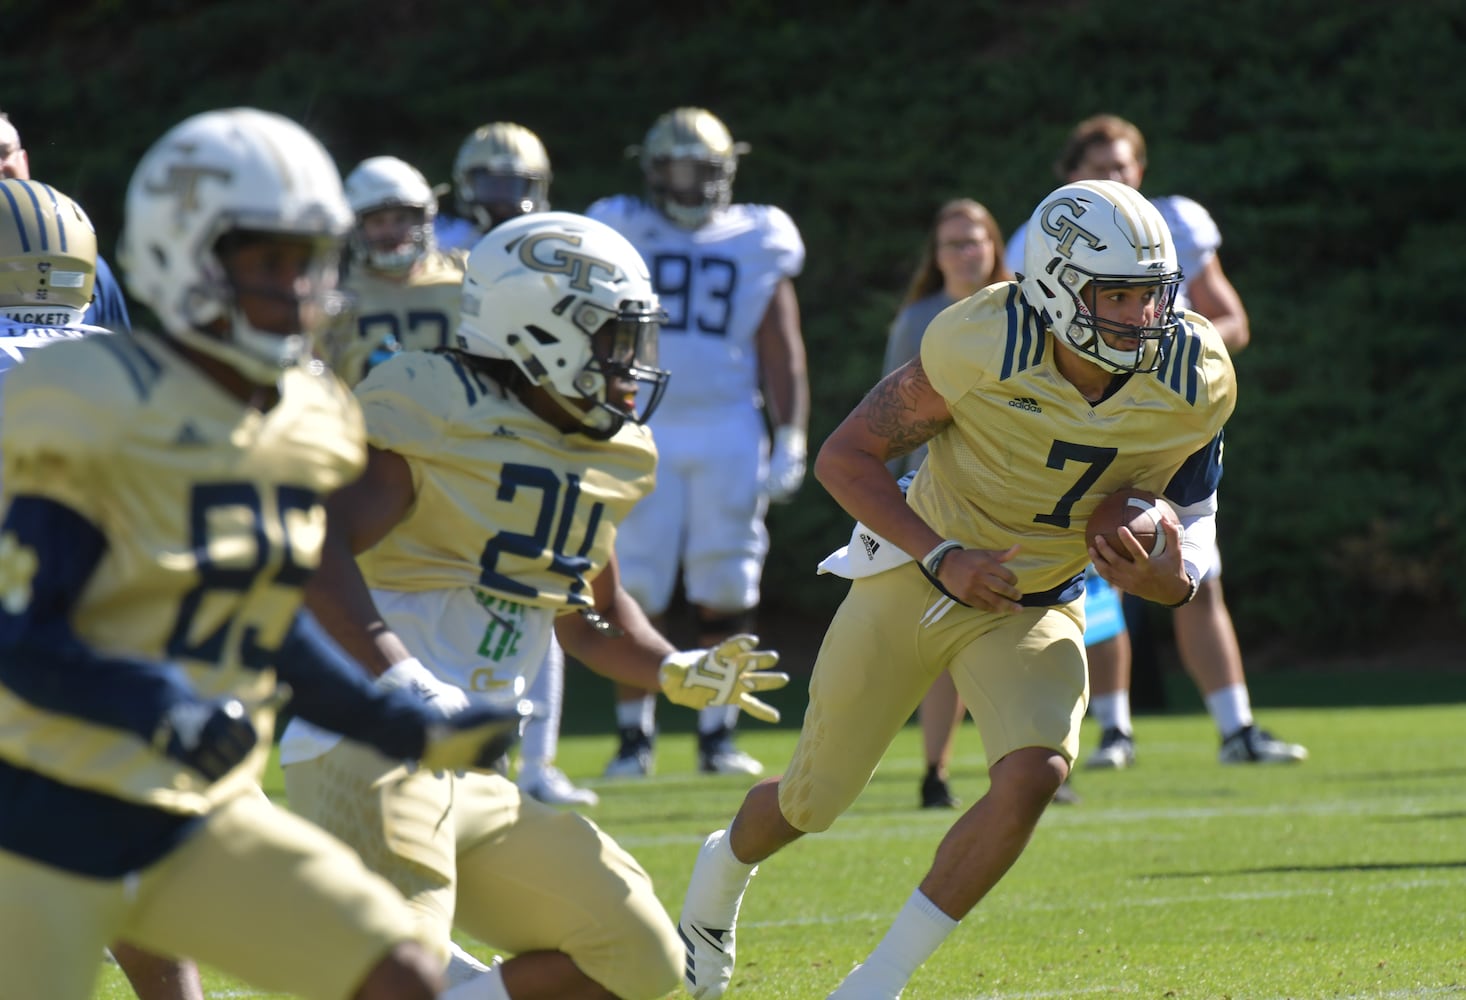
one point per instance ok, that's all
(475, 737)
(786, 464)
(418, 680)
(209, 735)
(727, 674)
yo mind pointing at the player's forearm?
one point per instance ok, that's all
(860, 483)
(633, 657)
(340, 600)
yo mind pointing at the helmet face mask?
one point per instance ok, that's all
(383, 183)
(501, 172)
(569, 301)
(1089, 237)
(219, 180)
(48, 255)
(689, 160)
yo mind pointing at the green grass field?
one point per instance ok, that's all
(1344, 876)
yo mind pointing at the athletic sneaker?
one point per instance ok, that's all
(934, 792)
(708, 921)
(864, 984)
(717, 754)
(550, 785)
(1116, 751)
(1250, 745)
(1066, 795)
(634, 757)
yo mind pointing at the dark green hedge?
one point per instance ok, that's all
(1326, 139)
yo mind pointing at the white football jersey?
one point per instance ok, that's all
(715, 283)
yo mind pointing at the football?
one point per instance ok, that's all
(1139, 510)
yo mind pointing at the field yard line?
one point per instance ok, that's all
(859, 826)
(980, 914)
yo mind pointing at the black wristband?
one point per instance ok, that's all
(933, 559)
(1190, 594)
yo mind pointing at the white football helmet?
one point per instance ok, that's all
(501, 172)
(570, 302)
(1105, 233)
(387, 182)
(689, 159)
(48, 255)
(217, 173)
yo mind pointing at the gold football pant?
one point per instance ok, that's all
(471, 851)
(1023, 678)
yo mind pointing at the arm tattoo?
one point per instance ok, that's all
(890, 409)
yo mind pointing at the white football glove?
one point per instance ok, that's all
(727, 674)
(786, 464)
(421, 681)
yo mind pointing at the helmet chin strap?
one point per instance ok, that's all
(597, 423)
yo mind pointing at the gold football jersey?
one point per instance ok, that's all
(418, 314)
(1027, 458)
(506, 503)
(213, 521)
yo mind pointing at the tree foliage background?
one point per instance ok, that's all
(1326, 139)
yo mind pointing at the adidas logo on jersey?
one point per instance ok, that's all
(503, 432)
(871, 545)
(1026, 403)
(189, 435)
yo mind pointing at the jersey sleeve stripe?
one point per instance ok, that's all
(469, 389)
(1182, 364)
(1025, 340)
(141, 368)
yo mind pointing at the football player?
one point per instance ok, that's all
(497, 476)
(402, 291)
(48, 271)
(1106, 147)
(501, 172)
(108, 308)
(161, 515)
(406, 296)
(724, 273)
(981, 562)
(962, 254)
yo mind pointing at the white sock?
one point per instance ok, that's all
(639, 713)
(487, 985)
(1230, 708)
(1112, 711)
(918, 930)
(715, 717)
(465, 970)
(542, 733)
(718, 877)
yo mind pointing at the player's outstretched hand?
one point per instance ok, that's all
(209, 735)
(475, 736)
(727, 674)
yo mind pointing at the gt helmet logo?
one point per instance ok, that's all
(579, 267)
(1065, 230)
